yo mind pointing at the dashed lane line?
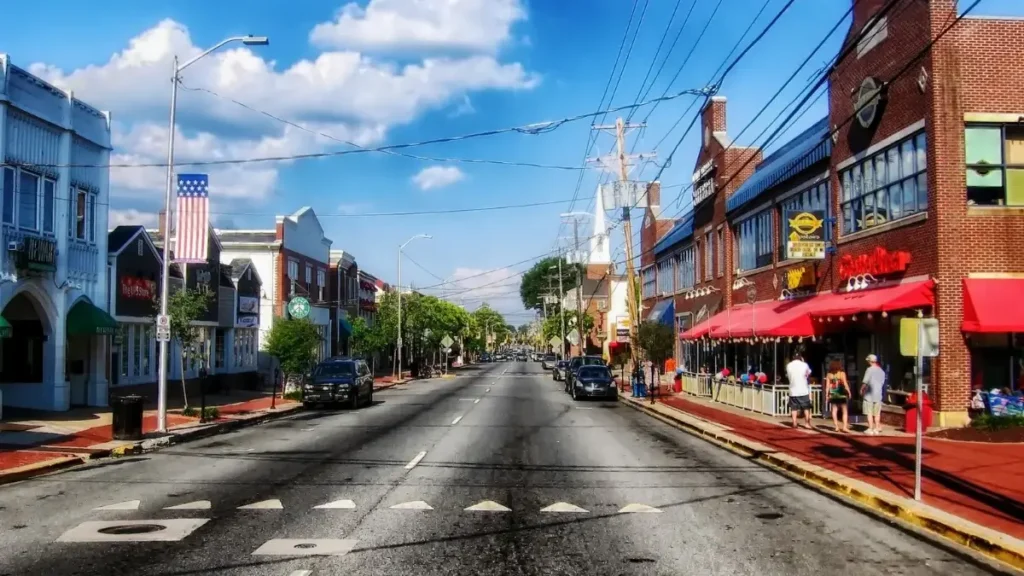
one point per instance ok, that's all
(456, 421)
(412, 463)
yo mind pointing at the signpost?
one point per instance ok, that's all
(919, 337)
(163, 328)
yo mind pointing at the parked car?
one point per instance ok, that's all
(591, 381)
(575, 363)
(558, 372)
(340, 380)
(548, 361)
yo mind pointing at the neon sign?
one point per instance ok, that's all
(878, 262)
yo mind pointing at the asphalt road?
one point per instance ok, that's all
(505, 434)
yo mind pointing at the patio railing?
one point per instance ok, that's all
(770, 399)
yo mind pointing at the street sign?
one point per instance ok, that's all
(163, 334)
(447, 341)
(928, 336)
(298, 308)
(447, 351)
(555, 341)
(163, 321)
(573, 339)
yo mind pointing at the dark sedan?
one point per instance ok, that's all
(594, 381)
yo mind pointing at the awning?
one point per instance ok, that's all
(993, 305)
(345, 327)
(664, 312)
(919, 294)
(767, 318)
(5, 328)
(84, 319)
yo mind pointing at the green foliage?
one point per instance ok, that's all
(211, 412)
(294, 343)
(295, 395)
(485, 321)
(553, 324)
(367, 341)
(989, 422)
(540, 280)
(657, 341)
(184, 307)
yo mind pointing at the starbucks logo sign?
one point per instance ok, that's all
(298, 308)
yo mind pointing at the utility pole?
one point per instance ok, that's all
(575, 217)
(561, 299)
(626, 202)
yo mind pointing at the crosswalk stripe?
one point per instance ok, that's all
(128, 505)
(488, 506)
(415, 505)
(197, 505)
(337, 505)
(273, 504)
(639, 509)
(563, 507)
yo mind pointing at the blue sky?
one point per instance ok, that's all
(357, 75)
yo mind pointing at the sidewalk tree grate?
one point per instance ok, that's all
(132, 529)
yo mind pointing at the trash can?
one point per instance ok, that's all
(127, 417)
(677, 383)
(910, 424)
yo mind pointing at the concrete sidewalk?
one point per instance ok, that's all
(972, 494)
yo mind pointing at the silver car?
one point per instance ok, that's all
(548, 362)
(558, 372)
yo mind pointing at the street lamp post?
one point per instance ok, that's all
(400, 248)
(161, 419)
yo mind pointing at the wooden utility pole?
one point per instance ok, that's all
(626, 202)
(579, 287)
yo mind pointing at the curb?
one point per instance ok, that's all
(39, 468)
(938, 526)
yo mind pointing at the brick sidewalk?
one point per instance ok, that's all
(975, 481)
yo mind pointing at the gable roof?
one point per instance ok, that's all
(239, 266)
(120, 237)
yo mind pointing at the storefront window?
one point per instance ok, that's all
(665, 276)
(995, 165)
(650, 282)
(218, 356)
(125, 354)
(887, 186)
(136, 358)
(816, 197)
(997, 361)
(686, 274)
(754, 241)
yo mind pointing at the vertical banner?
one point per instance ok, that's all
(192, 230)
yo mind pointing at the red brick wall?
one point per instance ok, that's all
(284, 283)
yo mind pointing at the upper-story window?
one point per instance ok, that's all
(995, 165)
(665, 276)
(321, 282)
(29, 200)
(686, 269)
(709, 256)
(720, 255)
(649, 280)
(886, 186)
(82, 215)
(815, 197)
(754, 241)
(875, 31)
(293, 275)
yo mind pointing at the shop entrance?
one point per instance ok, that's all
(21, 354)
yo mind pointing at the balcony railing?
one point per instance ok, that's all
(82, 260)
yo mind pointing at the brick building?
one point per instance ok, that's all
(917, 181)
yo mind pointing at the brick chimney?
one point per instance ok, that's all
(654, 194)
(714, 114)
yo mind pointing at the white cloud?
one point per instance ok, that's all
(474, 25)
(132, 217)
(343, 94)
(434, 177)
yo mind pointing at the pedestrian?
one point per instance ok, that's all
(798, 373)
(838, 395)
(871, 392)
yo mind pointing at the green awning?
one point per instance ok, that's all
(5, 328)
(345, 326)
(84, 319)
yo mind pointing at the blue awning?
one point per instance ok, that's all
(344, 327)
(663, 312)
(682, 230)
(811, 146)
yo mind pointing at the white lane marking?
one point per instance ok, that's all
(301, 573)
(456, 421)
(477, 401)
(174, 530)
(488, 506)
(412, 463)
(465, 399)
(563, 507)
(584, 407)
(308, 429)
(273, 504)
(128, 505)
(415, 505)
(197, 505)
(486, 391)
(639, 509)
(336, 505)
(305, 547)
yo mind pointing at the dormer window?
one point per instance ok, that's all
(875, 32)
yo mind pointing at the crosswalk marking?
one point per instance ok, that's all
(415, 505)
(337, 505)
(197, 505)
(273, 504)
(639, 509)
(302, 573)
(488, 506)
(563, 507)
(305, 547)
(128, 505)
(101, 531)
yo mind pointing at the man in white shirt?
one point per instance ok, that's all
(798, 373)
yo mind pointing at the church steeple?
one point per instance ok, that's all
(600, 251)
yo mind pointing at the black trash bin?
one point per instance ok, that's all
(127, 417)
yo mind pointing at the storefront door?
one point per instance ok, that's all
(78, 348)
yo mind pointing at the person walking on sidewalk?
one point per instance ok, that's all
(871, 392)
(798, 373)
(838, 394)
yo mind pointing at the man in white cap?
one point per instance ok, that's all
(871, 393)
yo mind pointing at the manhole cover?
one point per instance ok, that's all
(769, 516)
(128, 529)
(305, 545)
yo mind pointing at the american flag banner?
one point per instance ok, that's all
(193, 218)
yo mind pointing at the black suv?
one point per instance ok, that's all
(339, 381)
(574, 365)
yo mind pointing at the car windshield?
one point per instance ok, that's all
(332, 369)
(549, 357)
(595, 372)
(593, 361)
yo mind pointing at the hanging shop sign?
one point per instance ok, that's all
(622, 329)
(298, 308)
(248, 305)
(703, 182)
(805, 234)
(248, 321)
(878, 262)
(800, 277)
(135, 288)
(866, 101)
(39, 254)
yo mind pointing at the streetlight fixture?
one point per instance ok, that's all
(250, 40)
(400, 248)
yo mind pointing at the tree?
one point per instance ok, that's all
(657, 341)
(294, 343)
(553, 325)
(540, 280)
(365, 340)
(185, 307)
(489, 326)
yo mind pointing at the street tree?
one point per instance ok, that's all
(553, 325)
(657, 342)
(367, 340)
(543, 278)
(294, 342)
(184, 307)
